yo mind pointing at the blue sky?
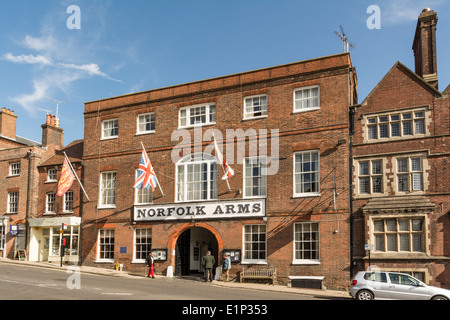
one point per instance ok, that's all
(137, 45)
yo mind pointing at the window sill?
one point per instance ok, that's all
(305, 262)
(255, 118)
(197, 125)
(106, 207)
(305, 195)
(258, 262)
(305, 110)
(144, 133)
(104, 261)
(109, 138)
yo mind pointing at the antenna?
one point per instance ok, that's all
(57, 110)
(45, 110)
(347, 45)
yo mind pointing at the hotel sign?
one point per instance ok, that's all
(254, 208)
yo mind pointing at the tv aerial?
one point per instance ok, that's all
(58, 102)
(341, 34)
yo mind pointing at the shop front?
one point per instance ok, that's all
(47, 235)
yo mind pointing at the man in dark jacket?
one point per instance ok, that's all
(208, 262)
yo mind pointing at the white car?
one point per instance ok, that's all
(370, 285)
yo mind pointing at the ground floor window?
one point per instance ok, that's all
(70, 236)
(106, 245)
(2, 234)
(255, 243)
(306, 242)
(143, 243)
(399, 234)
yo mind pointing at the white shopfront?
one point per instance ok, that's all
(48, 234)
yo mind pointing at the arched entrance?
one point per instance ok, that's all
(191, 245)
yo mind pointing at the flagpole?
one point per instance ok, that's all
(223, 169)
(76, 176)
(155, 173)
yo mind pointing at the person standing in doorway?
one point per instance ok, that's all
(208, 262)
(226, 266)
(149, 261)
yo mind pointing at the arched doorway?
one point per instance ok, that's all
(191, 246)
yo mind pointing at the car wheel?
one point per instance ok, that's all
(439, 298)
(364, 295)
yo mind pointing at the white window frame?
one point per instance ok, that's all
(142, 194)
(295, 173)
(253, 102)
(296, 243)
(113, 128)
(103, 234)
(210, 115)
(13, 202)
(259, 162)
(3, 233)
(182, 175)
(51, 175)
(102, 189)
(251, 242)
(152, 122)
(14, 169)
(68, 198)
(296, 101)
(148, 232)
(50, 203)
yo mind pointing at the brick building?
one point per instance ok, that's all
(53, 211)
(283, 130)
(401, 168)
(19, 158)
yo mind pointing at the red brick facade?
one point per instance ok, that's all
(19, 189)
(323, 130)
(401, 170)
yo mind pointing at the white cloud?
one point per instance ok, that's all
(404, 11)
(27, 59)
(91, 69)
(58, 69)
(39, 44)
(28, 101)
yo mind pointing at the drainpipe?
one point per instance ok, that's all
(31, 161)
(350, 169)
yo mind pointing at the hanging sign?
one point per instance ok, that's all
(13, 230)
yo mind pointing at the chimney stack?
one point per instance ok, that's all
(8, 122)
(424, 47)
(52, 136)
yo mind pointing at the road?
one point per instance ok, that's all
(18, 282)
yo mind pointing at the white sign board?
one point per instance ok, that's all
(254, 208)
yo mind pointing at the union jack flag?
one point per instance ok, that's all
(146, 175)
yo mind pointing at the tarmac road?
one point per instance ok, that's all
(22, 282)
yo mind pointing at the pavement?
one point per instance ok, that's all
(331, 294)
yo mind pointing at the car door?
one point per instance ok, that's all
(405, 287)
(377, 281)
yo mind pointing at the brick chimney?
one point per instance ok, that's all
(52, 135)
(424, 47)
(8, 123)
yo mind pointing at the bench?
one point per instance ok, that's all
(259, 274)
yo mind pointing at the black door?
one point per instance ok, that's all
(182, 258)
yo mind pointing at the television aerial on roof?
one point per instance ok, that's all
(58, 102)
(341, 34)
